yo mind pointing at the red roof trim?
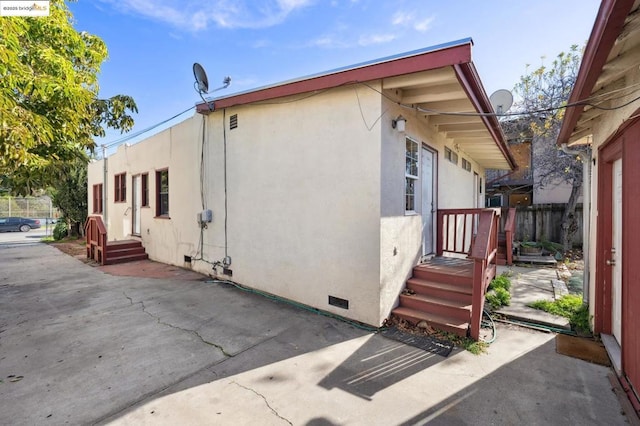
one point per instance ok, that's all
(470, 81)
(606, 29)
(430, 60)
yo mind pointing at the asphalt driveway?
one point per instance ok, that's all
(80, 346)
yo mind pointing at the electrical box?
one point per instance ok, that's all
(205, 216)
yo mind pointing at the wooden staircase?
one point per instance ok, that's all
(124, 251)
(505, 240)
(439, 292)
(109, 252)
(447, 292)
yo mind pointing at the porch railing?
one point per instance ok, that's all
(474, 233)
(96, 239)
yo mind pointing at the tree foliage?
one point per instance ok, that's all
(70, 195)
(50, 112)
(542, 95)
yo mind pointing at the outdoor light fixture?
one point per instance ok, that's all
(399, 123)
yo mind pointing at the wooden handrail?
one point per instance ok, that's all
(509, 231)
(483, 253)
(96, 239)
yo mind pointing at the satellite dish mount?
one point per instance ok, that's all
(501, 100)
(202, 83)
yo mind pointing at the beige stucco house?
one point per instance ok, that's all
(323, 190)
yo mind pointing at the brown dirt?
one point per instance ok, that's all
(75, 248)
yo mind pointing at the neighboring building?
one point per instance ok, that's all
(607, 116)
(318, 191)
(512, 188)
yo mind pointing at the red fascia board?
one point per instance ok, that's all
(606, 29)
(431, 60)
(470, 81)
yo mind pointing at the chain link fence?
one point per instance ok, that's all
(31, 207)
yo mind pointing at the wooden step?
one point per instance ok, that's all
(444, 307)
(121, 244)
(126, 258)
(439, 322)
(445, 275)
(111, 252)
(440, 290)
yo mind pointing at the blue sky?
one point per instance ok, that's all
(154, 43)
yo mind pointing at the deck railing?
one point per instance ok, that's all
(96, 239)
(509, 230)
(471, 232)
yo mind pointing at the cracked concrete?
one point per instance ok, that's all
(85, 356)
(159, 321)
(265, 401)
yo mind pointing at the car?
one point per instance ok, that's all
(21, 224)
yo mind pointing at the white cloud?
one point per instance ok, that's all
(410, 19)
(192, 15)
(423, 25)
(402, 18)
(376, 39)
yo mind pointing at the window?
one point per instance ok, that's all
(120, 188)
(466, 164)
(162, 193)
(411, 173)
(450, 155)
(97, 198)
(145, 189)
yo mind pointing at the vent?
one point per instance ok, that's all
(233, 121)
(340, 303)
(187, 259)
(227, 271)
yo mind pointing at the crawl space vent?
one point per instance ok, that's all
(233, 121)
(340, 303)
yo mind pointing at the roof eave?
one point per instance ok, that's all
(606, 29)
(470, 81)
(453, 53)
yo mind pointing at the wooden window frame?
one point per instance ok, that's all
(159, 194)
(144, 182)
(97, 198)
(120, 188)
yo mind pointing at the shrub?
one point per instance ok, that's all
(60, 230)
(498, 297)
(569, 306)
(501, 281)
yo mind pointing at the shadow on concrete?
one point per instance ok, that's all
(530, 390)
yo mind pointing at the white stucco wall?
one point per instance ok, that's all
(401, 232)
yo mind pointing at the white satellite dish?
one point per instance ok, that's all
(202, 82)
(501, 100)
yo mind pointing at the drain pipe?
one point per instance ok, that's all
(586, 214)
(104, 185)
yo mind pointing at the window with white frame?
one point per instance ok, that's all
(466, 164)
(450, 155)
(412, 159)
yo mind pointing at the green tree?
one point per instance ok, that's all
(50, 111)
(70, 195)
(541, 97)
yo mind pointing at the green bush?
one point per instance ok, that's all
(498, 297)
(569, 306)
(60, 230)
(501, 281)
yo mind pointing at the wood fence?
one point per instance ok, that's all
(543, 222)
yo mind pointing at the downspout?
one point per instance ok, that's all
(586, 214)
(104, 186)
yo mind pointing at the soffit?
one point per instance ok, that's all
(438, 93)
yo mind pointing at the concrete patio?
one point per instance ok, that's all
(82, 346)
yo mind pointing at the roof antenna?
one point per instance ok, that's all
(202, 83)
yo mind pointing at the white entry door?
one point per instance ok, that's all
(135, 207)
(616, 253)
(428, 200)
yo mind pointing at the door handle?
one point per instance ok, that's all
(610, 262)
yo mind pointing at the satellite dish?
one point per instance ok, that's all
(202, 82)
(501, 100)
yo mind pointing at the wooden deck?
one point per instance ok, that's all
(448, 265)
